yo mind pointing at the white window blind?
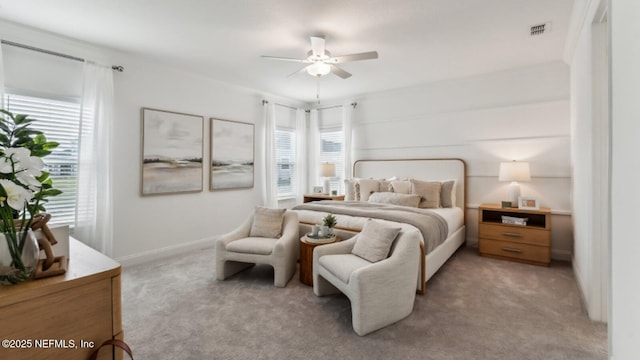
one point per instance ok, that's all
(60, 122)
(286, 161)
(331, 151)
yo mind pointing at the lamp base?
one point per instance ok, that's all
(327, 186)
(513, 193)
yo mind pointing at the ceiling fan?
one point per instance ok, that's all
(320, 62)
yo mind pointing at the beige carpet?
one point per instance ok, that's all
(475, 308)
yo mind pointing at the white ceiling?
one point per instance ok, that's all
(418, 41)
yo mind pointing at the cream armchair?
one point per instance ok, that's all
(381, 293)
(236, 251)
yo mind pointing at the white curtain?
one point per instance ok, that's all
(347, 114)
(301, 155)
(94, 212)
(1, 78)
(270, 191)
(314, 146)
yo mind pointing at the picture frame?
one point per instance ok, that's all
(232, 152)
(172, 150)
(528, 203)
(318, 189)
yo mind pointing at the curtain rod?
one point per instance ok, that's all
(264, 102)
(118, 68)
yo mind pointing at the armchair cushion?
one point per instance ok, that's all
(252, 245)
(342, 265)
(375, 240)
(267, 222)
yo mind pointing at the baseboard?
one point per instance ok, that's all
(581, 288)
(165, 252)
(561, 255)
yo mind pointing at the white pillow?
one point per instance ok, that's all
(409, 200)
(368, 187)
(401, 186)
(350, 192)
(448, 194)
(375, 240)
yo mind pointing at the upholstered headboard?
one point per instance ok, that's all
(422, 169)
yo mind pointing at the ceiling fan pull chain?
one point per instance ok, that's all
(318, 88)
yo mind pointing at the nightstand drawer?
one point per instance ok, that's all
(525, 235)
(539, 254)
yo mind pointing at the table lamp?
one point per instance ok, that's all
(514, 171)
(327, 170)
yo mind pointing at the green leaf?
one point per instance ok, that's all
(4, 140)
(3, 126)
(19, 119)
(51, 192)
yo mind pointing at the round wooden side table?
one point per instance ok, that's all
(306, 258)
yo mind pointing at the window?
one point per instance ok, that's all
(286, 161)
(60, 122)
(331, 145)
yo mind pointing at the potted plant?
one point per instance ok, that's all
(24, 188)
(328, 223)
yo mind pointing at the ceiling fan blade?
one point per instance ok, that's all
(317, 46)
(340, 72)
(354, 57)
(285, 59)
(304, 69)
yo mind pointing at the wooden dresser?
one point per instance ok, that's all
(530, 243)
(66, 316)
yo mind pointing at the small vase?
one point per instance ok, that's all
(18, 257)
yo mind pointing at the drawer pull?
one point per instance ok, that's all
(508, 249)
(511, 234)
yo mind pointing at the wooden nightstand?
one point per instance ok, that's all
(306, 259)
(317, 197)
(530, 243)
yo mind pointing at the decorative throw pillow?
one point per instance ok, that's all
(350, 189)
(429, 192)
(409, 200)
(375, 240)
(448, 194)
(401, 186)
(367, 187)
(267, 222)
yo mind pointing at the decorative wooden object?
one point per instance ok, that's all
(52, 265)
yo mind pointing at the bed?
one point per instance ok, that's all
(447, 224)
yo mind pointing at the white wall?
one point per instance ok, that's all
(519, 114)
(153, 226)
(586, 51)
(624, 329)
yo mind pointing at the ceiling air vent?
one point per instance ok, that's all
(540, 29)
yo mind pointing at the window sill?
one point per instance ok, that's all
(286, 197)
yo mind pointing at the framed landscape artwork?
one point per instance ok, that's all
(172, 149)
(232, 154)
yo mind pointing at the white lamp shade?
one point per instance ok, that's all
(319, 69)
(328, 170)
(514, 171)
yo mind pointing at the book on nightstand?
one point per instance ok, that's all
(514, 220)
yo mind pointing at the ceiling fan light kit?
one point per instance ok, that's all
(318, 68)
